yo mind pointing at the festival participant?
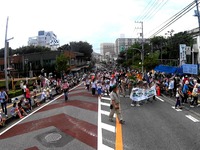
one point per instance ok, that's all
(28, 95)
(65, 88)
(185, 92)
(179, 94)
(87, 84)
(93, 86)
(99, 89)
(115, 105)
(123, 86)
(171, 87)
(135, 93)
(195, 94)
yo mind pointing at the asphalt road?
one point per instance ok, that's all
(158, 126)
(82, 124)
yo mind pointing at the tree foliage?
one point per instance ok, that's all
(82, 47)
(30, 49)
(62, 63)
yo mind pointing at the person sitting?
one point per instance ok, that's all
(2, 120)
(36, 101)
(21, 109)
(15, 111)
(43, 95)
(25, 104)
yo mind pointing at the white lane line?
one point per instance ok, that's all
(159, 99)
(35, 111)
(192, 118)
(106, 98)
(176, 109)
(106, 113)
(108, 127)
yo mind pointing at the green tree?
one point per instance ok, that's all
(30, 49)
(62, 63)
(82, 47)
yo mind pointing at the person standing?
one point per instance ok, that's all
(115, 105)
(179, 94)
(65, 88)
(3, 100)
(171, 87)
(93, 84)
(28, 96)
(185, 91)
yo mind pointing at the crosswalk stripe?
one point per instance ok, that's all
(106, 98)
(106, 113)
(108, 127)
(107, 147)
(105, 104)
(192, 118)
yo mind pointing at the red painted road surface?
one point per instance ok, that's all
(59, 125)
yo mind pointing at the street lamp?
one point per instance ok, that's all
(6, 55)
(142, 57)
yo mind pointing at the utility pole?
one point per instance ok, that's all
(5, 56)
(198, 15)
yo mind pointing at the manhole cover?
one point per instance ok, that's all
(52, 137)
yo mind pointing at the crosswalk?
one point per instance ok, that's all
(105, 126)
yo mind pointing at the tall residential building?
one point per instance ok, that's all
(107, 47)
(123, 43)
(47, 39)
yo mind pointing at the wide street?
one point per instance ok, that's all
(82, 124)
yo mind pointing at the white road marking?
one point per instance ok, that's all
(159, 99)
(106, 113)
(176, 109)
(108, 127)
(106, 98)
(105, 104)
(106, 147)
(35, 111)
(100, 144)
(192, 118)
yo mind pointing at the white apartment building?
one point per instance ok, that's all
(107, 47)
(47, 39)
(122, 44)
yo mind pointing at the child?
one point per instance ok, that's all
(99, 90)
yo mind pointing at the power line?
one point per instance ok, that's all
(144, 9)
(149, 9)
(157, 10)
(175, 17)
(152, 10)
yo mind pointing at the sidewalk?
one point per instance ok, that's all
(10, 118)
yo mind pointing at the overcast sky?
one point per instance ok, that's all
(93, 21)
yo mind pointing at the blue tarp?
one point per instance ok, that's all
(166, 69)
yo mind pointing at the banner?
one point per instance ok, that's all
(190, 68)
(139, 94)
(182, 48)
